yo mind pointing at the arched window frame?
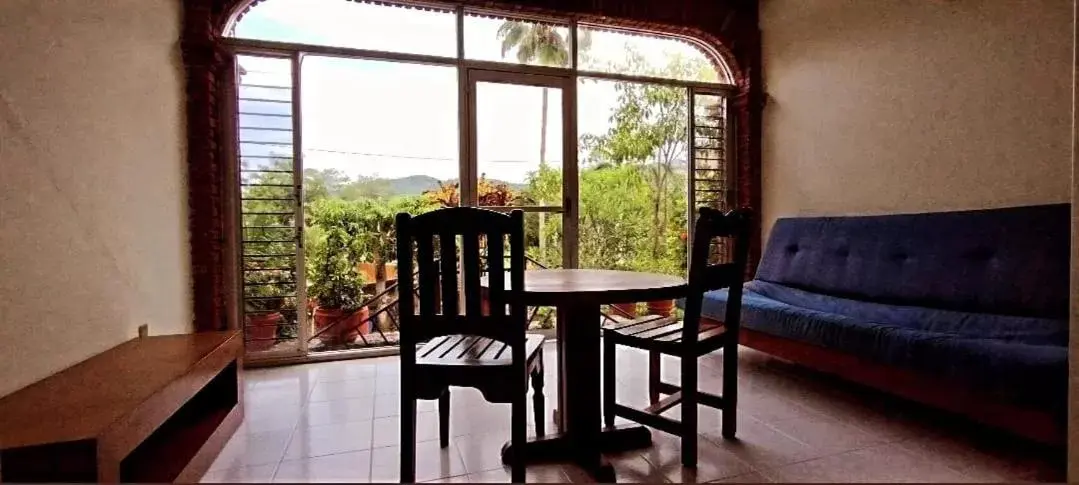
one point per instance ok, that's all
(728, 30)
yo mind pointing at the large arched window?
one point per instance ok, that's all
(606, 137)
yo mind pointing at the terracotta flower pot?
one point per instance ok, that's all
(261, 330)
(343, 328)
(661, 307)
(629, 309)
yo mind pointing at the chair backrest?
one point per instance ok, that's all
(432, 243)
(734, 226)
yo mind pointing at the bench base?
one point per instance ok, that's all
(1036, 425)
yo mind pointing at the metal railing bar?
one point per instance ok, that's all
(265, 100)
(275, 115)
(268, 86)
(272, 241)
(265, 143)
(265, 128)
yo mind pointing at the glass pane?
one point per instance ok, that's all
(381, 129)
(543, 239)
(519, 145)
(357, 25)
(379, 138)
(619, 52)
(633, 141)
(516, 41)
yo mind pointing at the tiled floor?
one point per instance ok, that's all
(339, 422)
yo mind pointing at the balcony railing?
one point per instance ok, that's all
(385, 303)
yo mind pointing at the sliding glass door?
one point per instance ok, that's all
(521, 156)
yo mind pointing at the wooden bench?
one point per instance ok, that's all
(153, 409)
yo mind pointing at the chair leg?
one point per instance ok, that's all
(519, 432)
(408, 439)
(537, 400)
(730, 390)
(608, 382)
(689, 411)
(654, 376)
(444, 419)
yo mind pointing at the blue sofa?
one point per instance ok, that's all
(962, 310)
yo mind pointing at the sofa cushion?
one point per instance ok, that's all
(1025, 364)
(1005, 328)
(1001, 261)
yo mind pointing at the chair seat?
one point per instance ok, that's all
(658, 332)
(470, 350)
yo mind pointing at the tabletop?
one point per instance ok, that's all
(554, 286)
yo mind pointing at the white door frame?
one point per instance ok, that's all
(469, 142)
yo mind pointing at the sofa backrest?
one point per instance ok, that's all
(1011, 261)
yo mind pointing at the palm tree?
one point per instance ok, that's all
(540, 42)
(536, 42)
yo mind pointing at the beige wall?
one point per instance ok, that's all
(92, 198)
(888, 106)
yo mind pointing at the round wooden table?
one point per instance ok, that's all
(578, 295)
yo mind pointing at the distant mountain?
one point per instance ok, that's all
(416, 184)
(411, 185)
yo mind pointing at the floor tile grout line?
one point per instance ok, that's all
(295, 425)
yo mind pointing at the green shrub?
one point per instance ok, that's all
(335, 248)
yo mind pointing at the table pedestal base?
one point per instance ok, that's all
(561, 447)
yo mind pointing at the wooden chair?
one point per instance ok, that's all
(687, 339)
(490, 350)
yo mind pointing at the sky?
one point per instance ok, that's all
(394, 119)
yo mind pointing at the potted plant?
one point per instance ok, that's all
(262, 311)
(261, 321)
(335, 281)
(661, 307)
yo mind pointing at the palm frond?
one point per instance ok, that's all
(528, 48)
(511, 33)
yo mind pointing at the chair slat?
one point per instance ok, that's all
(634, 322)
(432, 345)
(482, 350)
(466, 346)
(672, 327)
(493, 351)
(452, 343)
(646, 326)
